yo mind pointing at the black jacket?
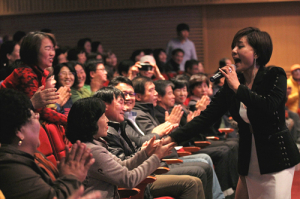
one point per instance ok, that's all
(265, 102)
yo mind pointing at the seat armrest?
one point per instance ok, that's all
(161, 170)
(202, 144)
(127, 193)
(172, 161)
(191, 148)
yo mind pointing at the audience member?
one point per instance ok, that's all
(120, 145)
(76, 54)
(293, 82)
(182, 42)
(9, 53)
(21, 177)
(85, 44)
(147, 67)
(136, 55)
(87, 122)
(172, 67)
(60, 56)
(97, 47)
(37, 53)
(78, 90)
(96, 75)
(191, 68)
(198, 169)
(160, 57)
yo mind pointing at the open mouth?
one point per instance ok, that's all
(237, 60)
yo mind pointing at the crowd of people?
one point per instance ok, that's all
(124, 118)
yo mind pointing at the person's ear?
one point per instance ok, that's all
(20, 136)
(138, 97)
(92, 74)
(255, 55)
(159, 98)
(8, 56)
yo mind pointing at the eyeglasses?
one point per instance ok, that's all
(130, 94)
(103, 69)
(65, 73)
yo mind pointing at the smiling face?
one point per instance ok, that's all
(162, 57)
(66, 77)
(178, 57)
(168, 100)
(30, 134)
(129, 95)
(200, 90)
(150, 95)
(102, 127)
(115, 110)
(88, 47)
(46, 53)
(101, 73)
(80, 75)
(180, 95)
(243, 55)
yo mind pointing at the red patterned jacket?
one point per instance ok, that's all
(27, 80)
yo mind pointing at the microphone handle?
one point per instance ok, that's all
(216, 76)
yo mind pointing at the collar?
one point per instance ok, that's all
(160, 109)
(146, 107)
(115, 125)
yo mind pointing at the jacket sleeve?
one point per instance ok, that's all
(128, 173)
(269, 101)
(27, 183)
(214, 111)
(52, 116)
(145, 123)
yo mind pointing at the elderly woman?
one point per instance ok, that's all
(87, 122)
(21, 177)
(37, 53)
(255, 95)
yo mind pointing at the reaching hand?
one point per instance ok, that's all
(77, 161)
(134, 70)
(175, 115)
(203, 102)
(191, 115)
(162, 151)
(156, 72)
(42, 97)
(64, 95)
(164, 128)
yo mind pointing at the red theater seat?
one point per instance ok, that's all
(45, 146)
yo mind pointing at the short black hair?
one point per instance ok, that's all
(31, 45)
(175, 51)
(196, 80)
(260, 41)
(161, 85)
(15, 112)
(91, 66)
(189, 64)
(179, 83)
(73, 52)
(81, 42)
(181, 27)
(108, 94)
(95, 45)
(71, 66)
(120, 79)
(139, 84)
(82, 119)
(6, 48)
(18, 36)
(124, 66)
(156, 53)
(134, 54)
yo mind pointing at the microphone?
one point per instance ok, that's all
(219, 75)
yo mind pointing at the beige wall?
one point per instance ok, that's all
(280, 20)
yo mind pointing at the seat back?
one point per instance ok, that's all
(45, 146)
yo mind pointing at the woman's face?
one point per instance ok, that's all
(81, 58)
(100, 49)
(113, 60)
(46, 53)
(162, 57)
(243, 55)
(138, 57)
(88, 47)
(66, 77)
(30, 133)
(14, 55)
(180, 95)
(80, 75)
(200, 90)
(102, 127)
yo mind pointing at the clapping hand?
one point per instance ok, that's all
(77, 161)
(175, 115)
(43, 97)
(164, 128)
(202, 103)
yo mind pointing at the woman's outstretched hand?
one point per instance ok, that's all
(77, 161)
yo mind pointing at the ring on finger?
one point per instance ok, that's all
(230, 70)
